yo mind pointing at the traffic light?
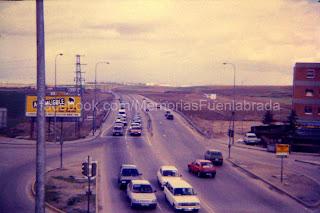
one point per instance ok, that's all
(85, 169)
(94, 169)
(230, 133)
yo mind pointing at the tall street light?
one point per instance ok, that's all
(95, 96)
(231, 131)
(55, 95)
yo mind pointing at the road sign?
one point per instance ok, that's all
(64, 105)
(282, 150)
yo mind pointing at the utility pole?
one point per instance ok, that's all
(79, 79)
(41, 86)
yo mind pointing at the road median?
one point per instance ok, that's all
(66, 190)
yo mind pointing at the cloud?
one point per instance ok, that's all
(123, 28)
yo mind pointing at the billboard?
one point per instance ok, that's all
(64, 105)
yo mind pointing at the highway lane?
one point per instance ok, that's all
(230, 191)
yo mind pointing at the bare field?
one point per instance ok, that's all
(215, 105)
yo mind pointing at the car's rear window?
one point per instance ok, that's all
(129, 172)
(142, 188)
(183, 191)
(169, 173)
(206, 164)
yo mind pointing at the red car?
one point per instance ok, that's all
(202, 168)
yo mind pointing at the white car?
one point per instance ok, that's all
(166, 173)
(181, 195)
(251, 138)
(141, 194)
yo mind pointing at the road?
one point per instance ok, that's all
(167, 142)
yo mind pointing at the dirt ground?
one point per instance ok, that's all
(21, 126)
(66, 190)
(212, 114)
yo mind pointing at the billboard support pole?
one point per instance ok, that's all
(31, 127)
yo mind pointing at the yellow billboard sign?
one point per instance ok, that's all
(64, 106)
(282, 149)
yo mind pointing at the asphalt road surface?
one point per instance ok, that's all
(170, 142)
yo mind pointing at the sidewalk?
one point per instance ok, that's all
(299, 187)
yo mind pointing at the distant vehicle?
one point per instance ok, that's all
(122, 112)
(117, 130)
(135, 131)
(122, 105)
(170, 116)
(251, 138)
(166, 173)
(136, 124)
(215, 156)
(141, 194)
(158, 106)
(181, 196)
(202, 168)
(167, 113)
(127, 173)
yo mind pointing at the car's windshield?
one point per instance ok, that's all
(117, 128)
(142, 188)
(206, 164)
(169, 173)
(251, 136)
(183, 191)
(129, 172)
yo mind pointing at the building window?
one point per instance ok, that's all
(309, 92)
(310, 73)
(308, 110)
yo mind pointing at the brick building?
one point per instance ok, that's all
(306, 91)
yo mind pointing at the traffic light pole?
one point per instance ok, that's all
(89, 190)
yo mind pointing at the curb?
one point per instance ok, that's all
(190, 122)
(275, 187)
(309, 162)
(51, 207)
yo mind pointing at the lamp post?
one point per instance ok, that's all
(55, 95)
(231, 131)
(95, 96)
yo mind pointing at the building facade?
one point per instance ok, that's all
(306, 91)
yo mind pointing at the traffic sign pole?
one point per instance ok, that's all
(282, 168)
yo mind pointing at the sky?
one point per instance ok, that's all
(177, 42)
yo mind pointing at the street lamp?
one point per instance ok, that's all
(231, 131)
(55, 95)
(95, 96)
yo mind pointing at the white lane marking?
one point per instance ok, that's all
(206, 206)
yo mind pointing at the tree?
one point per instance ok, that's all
(267, 117)
(292, 119)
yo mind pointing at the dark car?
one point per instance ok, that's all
(170, 116)
(215, 156)
(202, 168)
(127, 173)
